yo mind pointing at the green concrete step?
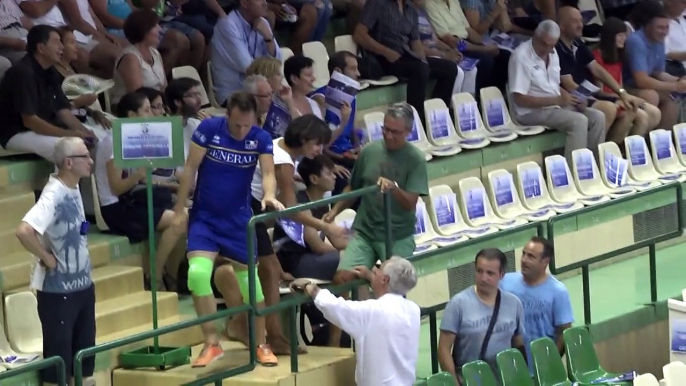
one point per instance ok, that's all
(23, 171)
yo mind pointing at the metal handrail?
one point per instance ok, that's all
(56, 361)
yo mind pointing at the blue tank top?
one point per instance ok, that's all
(225, 174)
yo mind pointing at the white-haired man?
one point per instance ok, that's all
(534, 81)
(258, 86)
(55, 231)
(384, 355)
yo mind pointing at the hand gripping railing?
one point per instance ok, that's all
(650, 243)
(38, 365)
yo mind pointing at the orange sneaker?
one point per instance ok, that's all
(265, 356)
(209, 354)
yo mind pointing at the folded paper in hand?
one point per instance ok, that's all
(77, 85)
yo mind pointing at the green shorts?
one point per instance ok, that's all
(362, 251)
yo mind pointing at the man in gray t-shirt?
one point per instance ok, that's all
(468, 315)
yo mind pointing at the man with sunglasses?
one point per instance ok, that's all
(55, 232)
(395, 166)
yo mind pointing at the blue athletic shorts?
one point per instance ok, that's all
(228, 240)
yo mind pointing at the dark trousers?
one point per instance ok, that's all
(492, 70)
(68, 321)
(418, 74)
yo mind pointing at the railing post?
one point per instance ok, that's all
(433, 335)
(252, 294)
(652, 257)
(151, 258)
(387, 200)
(586, 290)
(294, 338)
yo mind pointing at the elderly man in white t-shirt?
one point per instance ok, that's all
(534, 83)
(98, 48)
(385, 329)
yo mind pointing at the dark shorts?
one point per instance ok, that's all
(68, 322)
(228, 239)
(179, 26)
(264, 243)
(131, 220)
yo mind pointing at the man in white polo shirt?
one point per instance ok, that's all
(534, 81)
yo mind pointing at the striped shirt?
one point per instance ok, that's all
(9, 13)
(389, 26)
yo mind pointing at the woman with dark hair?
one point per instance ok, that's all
(122, 194)
(158, 106)
(610, 55)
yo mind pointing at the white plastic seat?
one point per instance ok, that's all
(664, 154)
(497, 117)
(675, 374)
(447, 217)
(445, 212)
(470, 127)
(418, 138)
(505, 199)
(534, 193)
(345, 219)
(441, 132)
(610, 158)
(210, 85)
(510, 102)
(561, 183)
(6, 352)
(424, 234)
(680, 141)
(206, 106)
(346, 43)
(23, 325)
(641, 166)
(317, 52)
(373, 123)
(99, 221)
(646, 380)
(590, 181)
(475, 203)
(285, 54)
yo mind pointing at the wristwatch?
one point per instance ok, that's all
(621, 91)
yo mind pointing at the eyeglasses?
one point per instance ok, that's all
(387, 130)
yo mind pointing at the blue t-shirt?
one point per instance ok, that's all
(546, 306)
(468, 318)
(224, 176)
(344, 141)
(642, 55)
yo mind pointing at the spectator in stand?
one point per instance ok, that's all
(644, 72)
(158, 106)
(389, 30)
(55, 231)
(465, 81)
(122, 195)
(641, 14)
(258, 87)
(579, 68)
(675, 43)
(270, 68)
(534, 81)
(609, 55)
(14, 27)
(308, 17)
(240, 38)
(97, 47)
(469, 329)
(313, 257)
(547, 309)
(141, 64)
(183, 97)
(452, 27)
(35, 112)
(486, 16)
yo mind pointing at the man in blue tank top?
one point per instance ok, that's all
(224, 154)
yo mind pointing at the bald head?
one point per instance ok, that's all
(571, 23)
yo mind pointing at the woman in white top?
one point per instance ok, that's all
(122, 193)
(141, 63)
(299, 74)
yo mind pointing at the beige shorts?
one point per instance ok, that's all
(90, 46)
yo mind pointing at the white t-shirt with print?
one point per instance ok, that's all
(57, 217)
(281, 157)
(103, 154)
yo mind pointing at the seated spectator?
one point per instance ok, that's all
(485, 16)
(270, 68)
(675, 43)
(467, 318)
(122, 194)
(183, 97)
(201, 15)
(96, 47)
(644, 72)
(157, 105)
(141, 64)
(35, 112)
(240, 38)
(307, 23)
(465, 81)
(534, 81)
(81, 106)
(258, 86)
(641, 14)
(391, 33)
(14, 27)
(312, 257)
(579, 68)
(451, 26)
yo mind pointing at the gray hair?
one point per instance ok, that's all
(402, 110)
(251, 82)
(548, 27)
(402, 276)
(65, 148)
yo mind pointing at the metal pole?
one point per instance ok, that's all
(292, 314)
(652, 257)
(433, 335)
(153, 261)
(585, 276)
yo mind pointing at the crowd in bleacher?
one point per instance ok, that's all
(218, 64)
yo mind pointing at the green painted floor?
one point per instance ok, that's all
(616, 289)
